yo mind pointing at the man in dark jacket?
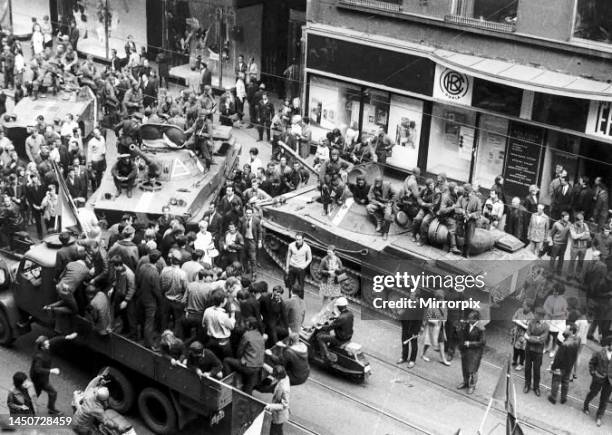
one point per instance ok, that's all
(42, 367)
(582, 197)
(265, 113)
(126, 249)
(251, 230)
(342, 328)
(150, 298)
(536, 336)
(35, 193)
(65, 254)
(271, 308)
(515, 220)
(412, 322)
(472, 341)
(249, 358)
(562, 365)
(600, 368)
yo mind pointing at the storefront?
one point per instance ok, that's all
(444, 120)
(21, 14)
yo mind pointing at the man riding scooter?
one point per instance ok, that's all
(338, 332)
(89, 407)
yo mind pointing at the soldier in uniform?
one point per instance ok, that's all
(382, 145)
(128, 132)
(200, 140)
(428, 202)
(467, 214)
(124, 174)
(380, 205)
(446, 215)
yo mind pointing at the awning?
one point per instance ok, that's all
(524, 77)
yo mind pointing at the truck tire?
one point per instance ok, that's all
(122, 394)
(157, 411)
(6, 333)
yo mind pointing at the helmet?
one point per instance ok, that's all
(341, 302)
(102, 394)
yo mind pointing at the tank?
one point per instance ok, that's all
(365, 254)
(168, 175)
(81, 103)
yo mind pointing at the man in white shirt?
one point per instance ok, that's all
(255, 162)
(96, 156)
(218, 324)
(299, 258)
(204, 242)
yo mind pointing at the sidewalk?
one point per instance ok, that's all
(381, 339)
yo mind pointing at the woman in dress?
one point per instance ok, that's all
(471, 344)
(330, 269)
(434, 335)
(38, 44)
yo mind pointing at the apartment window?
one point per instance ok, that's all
(594, 20)
(498, 11)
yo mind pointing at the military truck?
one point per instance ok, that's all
(167, 397)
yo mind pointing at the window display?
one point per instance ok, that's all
(405, 121)
(492, 132)
(125, 18)
(24, 11)
(451, 142)
(332, 104)
(593, 20)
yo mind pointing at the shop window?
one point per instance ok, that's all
(492, 139)
(92, 18)
(561, 111)
(497, 97)
(451, 142)
(593, 20)
(497, 11)
(332, 104)
(405, 123)
(375, 112)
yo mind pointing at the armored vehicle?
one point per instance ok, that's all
(169, 175)
(80, 103)
(366, 256)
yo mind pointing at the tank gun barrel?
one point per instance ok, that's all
(298, 158)
(152, 164)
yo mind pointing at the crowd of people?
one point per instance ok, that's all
(192, 294)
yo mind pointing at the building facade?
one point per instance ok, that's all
(470, 88)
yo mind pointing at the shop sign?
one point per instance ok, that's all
(599, 121)
(451, 85)
(522, 159)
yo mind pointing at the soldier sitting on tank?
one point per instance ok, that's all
(467, 214)
(428, 204)
(200, 139)
(294, 178)
(330, 168)
(124, 174)
(446, 215)
(382, 145)
(360, 190)
(128, 132)
(132, 100)
(406, 206)
(381, 199)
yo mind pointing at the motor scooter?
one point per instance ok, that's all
(121, 425)
(350, 360)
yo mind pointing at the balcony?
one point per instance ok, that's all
(383, 5)
(480, 24)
